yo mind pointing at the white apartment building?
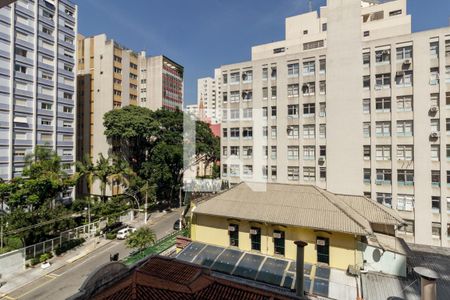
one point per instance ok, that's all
(37, 82)
(209, 98)
(351, 101)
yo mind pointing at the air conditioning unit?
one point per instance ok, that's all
(253, 231)
(231, 228)
(434, 108)
(277, 235)
(400, 73)
(321, 159)
(434, 135)
(407, 62)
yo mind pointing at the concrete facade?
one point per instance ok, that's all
(37, 82)
(351, 101)
(209, 98)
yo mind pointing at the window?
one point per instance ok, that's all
(436, 204)
(293, 152)
(448, 183)
(405, 152)
(293, 131)
(233, 232)
(434, 76)
(247, 95)
(46, 106)
(265, 112)
(395, 13)
(20, 68)
(273, 152)
(366, 152)
(383, 104)
(309, 109)
(234, 132)
(247, 151)
(224, 132)
(366, 33)
(265, 73)
(309, 68)
(234, 78)
(234, 151)
(46, 75)
(273, 172)
(366, 129)
(322, 66)
(434, 49)
(234, 170)
(273, 73)
(366, 59)
(225, 97)
(447, 126)
(383, 152)
(323, 151)
(404, 78)
(404, 128)
(309, 132)
(255, 238)
(436, 178)
(404, 53)
(247, 113)
(367, 176)
(309, 174)
(273, 112)
(279, 50)
(265, 93)
(309, 89)
(447, 47)
(293, 111)
(247, 76)
(405, 202)
(273, 92)
(436, 230)
(293, 173)
(322, 109)
(322, 131)
(293, 90)
(309, 152)
(224, 151)
(382, 81)
(448, 152)
(46, 122)
(117, 70)
(383, 128)
(278, 242)
(366, 106)
(385, 199)
(405, 177)
(273, 132)
(313, 45)
(67, 109)
(225, 78)
(322, 87)
(265, 131)
(435, 152)
(383, 56)
(366, 82)
(67, 124)
(248, 170)
(293, 70)
(21, 52)
(234, 96)
(408, 228)
(384, 176)
(323, 173)
(265, 171)
(404, 103)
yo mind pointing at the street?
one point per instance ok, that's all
(66, 280)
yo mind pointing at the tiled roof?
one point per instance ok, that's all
(299, 205)
(162, 278)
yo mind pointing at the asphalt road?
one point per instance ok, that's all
(66, 281)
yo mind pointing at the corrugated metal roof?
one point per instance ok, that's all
(300, 206)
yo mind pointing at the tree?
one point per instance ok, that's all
(86, 170)
(142, 238)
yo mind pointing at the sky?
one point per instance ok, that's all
(204, 34)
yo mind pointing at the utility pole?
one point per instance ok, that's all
(145, 205)
(1, 230)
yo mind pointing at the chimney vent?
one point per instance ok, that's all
(427, 283)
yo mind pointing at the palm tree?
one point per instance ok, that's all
(141, 239)
(121, 173)
(86, 169)
(102, 171)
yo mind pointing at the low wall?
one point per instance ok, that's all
(12, 262)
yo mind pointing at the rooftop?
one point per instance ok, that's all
(301, 206)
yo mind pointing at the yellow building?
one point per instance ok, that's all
(268, 218)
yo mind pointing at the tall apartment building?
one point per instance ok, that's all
(209, 98)
(37, 82)
(112, 76)
(351, 101)
(161, 83)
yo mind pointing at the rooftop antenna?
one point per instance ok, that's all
(310, 5)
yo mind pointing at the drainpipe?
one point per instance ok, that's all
(427, 283)
(300, 263)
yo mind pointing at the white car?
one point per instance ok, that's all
(125, 232)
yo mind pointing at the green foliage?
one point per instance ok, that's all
(111, 235)
(44, 257)
(152, 144)
(68, 245)
(34, 261)
(141, 238)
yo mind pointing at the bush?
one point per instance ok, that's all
(34, 261)
(44, 257)
(67, 245)
(111, 236)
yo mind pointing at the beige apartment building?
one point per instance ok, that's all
(351, 101)
(209, 98)
(112, 76)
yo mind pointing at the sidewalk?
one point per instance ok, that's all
(19, 279)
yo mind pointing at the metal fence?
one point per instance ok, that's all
(84, 231)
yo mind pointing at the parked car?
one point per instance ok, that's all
(177, 225)
(114, 227)
(125, 232)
